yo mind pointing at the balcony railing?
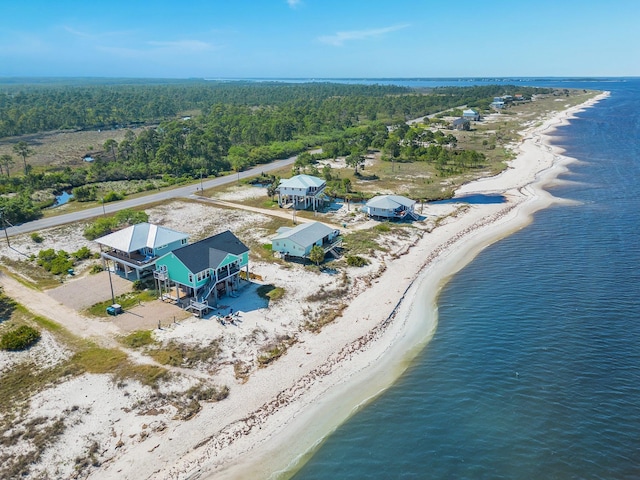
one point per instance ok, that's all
(134, 258)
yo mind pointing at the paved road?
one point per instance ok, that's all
(180, 192)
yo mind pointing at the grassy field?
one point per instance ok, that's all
(60, 148)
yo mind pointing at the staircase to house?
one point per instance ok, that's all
(208, 288)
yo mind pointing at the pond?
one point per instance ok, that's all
(63, 197)
(475, 199)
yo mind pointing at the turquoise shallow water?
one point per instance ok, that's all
(534, 371)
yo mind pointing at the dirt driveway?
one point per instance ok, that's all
(82, 292)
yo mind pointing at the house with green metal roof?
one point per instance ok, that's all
(206, 269)
(136, 248)
(298, 241)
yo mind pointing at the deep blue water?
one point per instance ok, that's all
(534, 370)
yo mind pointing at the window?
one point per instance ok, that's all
(190, 278)
(183, 241)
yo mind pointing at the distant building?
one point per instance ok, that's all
(298, 241)
(498, 103)
(471, 114)
(461, 124)
(302, 192)
(390, 207)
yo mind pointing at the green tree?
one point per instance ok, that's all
(22, 148)
(326, 172)
(316, 255)
(7, 162)
(111, 145)
(355, 160)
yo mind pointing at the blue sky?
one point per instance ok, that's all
(319, 38)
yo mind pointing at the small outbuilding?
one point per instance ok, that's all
(393, 207)
(298, 241)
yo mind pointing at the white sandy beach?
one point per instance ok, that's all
(282, 412)
(267, 425)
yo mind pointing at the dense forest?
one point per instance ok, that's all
(238, 124)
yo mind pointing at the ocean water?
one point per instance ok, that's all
(534, 370)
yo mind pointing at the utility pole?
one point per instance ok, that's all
(113, 297)
(4, 226)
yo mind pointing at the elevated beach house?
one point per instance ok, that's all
(393, 207)
(461, 124)
(204, 269)
(298, 241)
(498, 103)
(138, 247)
(471, 114)
(301, 192)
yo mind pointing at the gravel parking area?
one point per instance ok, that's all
(81, 293)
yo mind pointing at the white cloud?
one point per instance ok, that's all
(294, 3)
(338, 39)
(184, 45)
(94, 34)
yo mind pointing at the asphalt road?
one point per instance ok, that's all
(179, 192)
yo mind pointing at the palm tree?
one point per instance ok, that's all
(316, 255)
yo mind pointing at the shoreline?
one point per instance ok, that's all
(272, 439)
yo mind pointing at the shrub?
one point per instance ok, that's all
(382, 228)
(105, 225)
(112, 197)
(138, 339)
(83, 253)
(356, 261)
(54, 262)
(35, 236)
(19, 338)
(97, 268)
(138, 285)
(271, 292)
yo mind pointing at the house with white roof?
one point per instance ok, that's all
(301, 192)
(471, 114)
(298, 241)
(390, 207)
(498, 103)
(136, 248)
